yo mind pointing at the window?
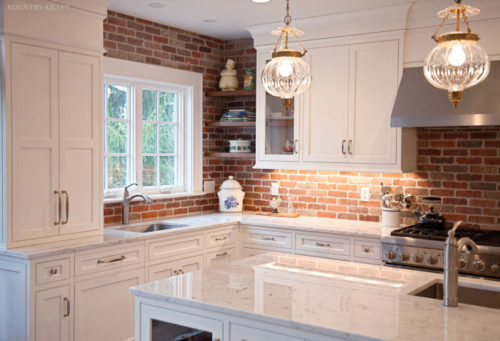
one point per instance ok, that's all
(150, 133)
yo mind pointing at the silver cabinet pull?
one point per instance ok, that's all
(59, 208)
(53, 271)
(113, 260)
(349, 147)
(67, 307)
(67, 207)
(367, 250)
(222, 254)
(175, 273)
(181, 272)
(296, 146)
(268, 238)
(342, 148)
(220, 239)
(323, 244)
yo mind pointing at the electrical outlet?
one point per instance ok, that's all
(275, 188)
(365, 193)
(209, 186)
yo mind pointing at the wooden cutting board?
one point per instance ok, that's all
(283, 215)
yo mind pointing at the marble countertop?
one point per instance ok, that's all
(114, 236)
(329, 297)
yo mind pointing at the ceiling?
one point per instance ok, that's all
(233, 16)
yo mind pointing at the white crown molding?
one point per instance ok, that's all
(381, 19)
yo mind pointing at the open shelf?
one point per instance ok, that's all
(231, 155)
(231, 124)
(234, 93)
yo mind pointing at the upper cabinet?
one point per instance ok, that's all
(342, 122)
(51, 147)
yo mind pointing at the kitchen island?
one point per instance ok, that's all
(278, 296)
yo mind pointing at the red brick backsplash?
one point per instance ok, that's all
(461, 165)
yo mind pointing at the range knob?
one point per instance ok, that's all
(495, 268)
(432, 259)
(478, 264)
(461, 264)
(391, 254)
(419, 258)
(405, 256)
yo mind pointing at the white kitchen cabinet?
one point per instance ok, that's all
(344, 117)
(55, 113)
(35, 143)
(104, 307)
(53, 314)
(80, 141)
(251, 333)
(176, 267)
(221, 257)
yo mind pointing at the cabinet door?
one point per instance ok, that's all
(80, 146)
(324, 133)
(34, 122)
(373, 83)
(53, 314)
(104, 307)
(277, 124)
(162, 270)
(191, 264)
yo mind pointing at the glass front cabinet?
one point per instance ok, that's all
(277, 124)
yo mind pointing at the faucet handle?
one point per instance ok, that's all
(125, 191)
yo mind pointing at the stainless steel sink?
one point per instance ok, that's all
(153, 227)
(468, 295)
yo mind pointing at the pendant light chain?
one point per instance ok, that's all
(288, 18)
(434, 37)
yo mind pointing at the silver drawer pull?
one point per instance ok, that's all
(267, 238)
(323, 244)
(67, 307)
(114, 260)
(220, 239)
(53, 271)
(222, 254)
(367, 250)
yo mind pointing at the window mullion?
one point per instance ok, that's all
(138, 139)
(157, 138)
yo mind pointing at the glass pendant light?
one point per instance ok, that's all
(287, 74)
(457, 62)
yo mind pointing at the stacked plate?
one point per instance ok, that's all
(238, 115)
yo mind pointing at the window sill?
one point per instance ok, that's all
(112, 200)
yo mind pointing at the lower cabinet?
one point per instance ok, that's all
(221, 257)
(53, 314)
(104, 307)
(174, 268)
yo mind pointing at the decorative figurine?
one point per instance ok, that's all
(228, 80)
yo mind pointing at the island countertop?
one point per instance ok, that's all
(329, 297)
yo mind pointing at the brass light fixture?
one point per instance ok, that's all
(286, 74)
(457, 62)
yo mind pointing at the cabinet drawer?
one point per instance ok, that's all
(267, 238)
(367, 249)
(221, 237)
(53, 271)
(108, 258)
(167, 248)
(323, 246)
(221, 257)
(239, 332)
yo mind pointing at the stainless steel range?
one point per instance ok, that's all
(422, 245)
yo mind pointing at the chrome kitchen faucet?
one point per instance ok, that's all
(127, 199)
(452, 251)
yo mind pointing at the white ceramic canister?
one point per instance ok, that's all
(390, 220)
(231, 196)
(240, 146)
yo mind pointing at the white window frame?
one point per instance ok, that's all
(189, 86)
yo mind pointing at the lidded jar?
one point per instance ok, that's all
(231, 196)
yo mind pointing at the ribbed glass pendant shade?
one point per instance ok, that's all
(286, 77)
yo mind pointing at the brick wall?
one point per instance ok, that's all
(459, 164)
(135, 39)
